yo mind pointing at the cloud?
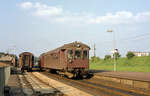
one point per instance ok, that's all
(25, 5)
(143, 17)
(58, 14)
(122, 17)
(39, 9)
(44, 10)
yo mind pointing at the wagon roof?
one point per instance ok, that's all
(70, 45)
(27, 53)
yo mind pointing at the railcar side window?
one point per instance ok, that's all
(85, 54)
(70, 54)
(77, 54)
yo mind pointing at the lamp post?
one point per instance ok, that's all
(115, 50)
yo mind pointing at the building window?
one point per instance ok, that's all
(147, 54)
(139, 54)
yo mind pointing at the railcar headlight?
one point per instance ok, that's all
(78, 45)
(70, 61)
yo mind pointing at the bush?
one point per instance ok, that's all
(107, 57)
(130, 55)
(95, 59)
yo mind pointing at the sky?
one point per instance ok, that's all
(38, 26)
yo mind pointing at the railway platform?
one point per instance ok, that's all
(14, 87)
(134, 79)
(141, 76)
(27, 85)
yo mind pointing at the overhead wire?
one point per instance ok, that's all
(141, 36)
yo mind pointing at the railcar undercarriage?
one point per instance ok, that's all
(73, 73)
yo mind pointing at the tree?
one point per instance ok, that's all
(2, 54)
(95, 59)
(117, 55)
(130, 55)
(107, 57)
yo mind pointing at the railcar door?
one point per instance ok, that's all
(26, 60)
(62, 59)
(42, 61)
(32, 64)
(70, 58)
(77, 59)
(85, 58)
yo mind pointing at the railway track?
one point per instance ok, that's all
(66, 89)
(26, 87)
(32, 86)
(92, 86)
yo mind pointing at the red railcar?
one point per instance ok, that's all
(71, 59)
(26, 61)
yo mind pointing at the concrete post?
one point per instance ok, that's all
(2, 84)
(4, 76)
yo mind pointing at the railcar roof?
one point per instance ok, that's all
(70, 45)
(26, 53)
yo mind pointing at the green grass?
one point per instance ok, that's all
(136, 64)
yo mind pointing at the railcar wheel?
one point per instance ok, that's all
(22, 70)
(84, 76)
(52, 70)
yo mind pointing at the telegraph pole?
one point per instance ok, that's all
(94, 50)
(14, 51)
(7, 51)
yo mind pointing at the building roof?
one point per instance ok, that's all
(3, 64)
(6, 58)
(138, 52)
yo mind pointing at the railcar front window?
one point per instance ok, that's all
(77, 54)
(85, 54)
(70, 54)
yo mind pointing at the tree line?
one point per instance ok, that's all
(117, 55)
